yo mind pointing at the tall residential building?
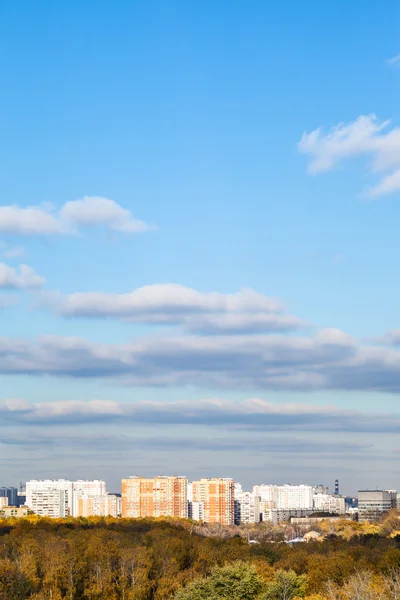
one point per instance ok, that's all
(330, 503)
(106, 505)
(84, 488)
(155, 497)
(196, 511)
(59, 498)
(285, 497)
(217, 497)
(372, 503)
(50, 498)
(11, 493)
(247, 507)
(320, 489)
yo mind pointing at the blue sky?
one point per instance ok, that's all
(168, 151)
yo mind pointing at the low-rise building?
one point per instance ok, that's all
(7, 512)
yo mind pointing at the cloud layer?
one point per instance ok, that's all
(253, 414)
(90, 211)
(329, 359)
(171, 304)
(366, 137)
(24, 278)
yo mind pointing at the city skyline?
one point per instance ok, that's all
(198, 242)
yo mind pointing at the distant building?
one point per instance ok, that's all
(156, 497)
(329, 503)
(285, 516)
(393, 497)
(60, 498)
(3, 502)
(286, 497)
(8, 512)
(84, 488)
(320, 489)
(196, 511)
(11, 493)
(372, 503)
(106, 505)
(217, 497)
(50, 498)
(247, 507)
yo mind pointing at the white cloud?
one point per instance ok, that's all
(16, 252)
(24, 278)
(365, 136)
(395, 60)
(33, 220)
(246, 311)
(251, 414)
(86, 212)
(93, 210)
(330, 359)
(161, 298)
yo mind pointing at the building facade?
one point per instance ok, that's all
(60, 498)
(106, 505)
(372, 503)
(86, 488)
(8, 512)
(285, 497)
(329, 503)
(218, 498)
(11, 493)
(50, 498)
(196, 511)
(247, 507)
(156, 497)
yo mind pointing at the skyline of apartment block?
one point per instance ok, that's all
(218, 498)
(155, 497)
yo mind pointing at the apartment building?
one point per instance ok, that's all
(218, 498)
(11, 493)
(196, 511)
(8, 512)
(105, 505)
(60, 498)
(87, 488)
(285, 497)
(155, 497)
(329, 503)
(50, 498)
(372, 503)
(247, 507)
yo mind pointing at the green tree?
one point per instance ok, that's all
(237, 581)
(285, 586)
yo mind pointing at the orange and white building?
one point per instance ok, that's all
(217, 496)
(160, 496)
(106, 505)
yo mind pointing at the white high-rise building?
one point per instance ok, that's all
(285, 497)
(50, 498)
(330, 503)
(60, 498)
(84, 488)
(247, 507)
